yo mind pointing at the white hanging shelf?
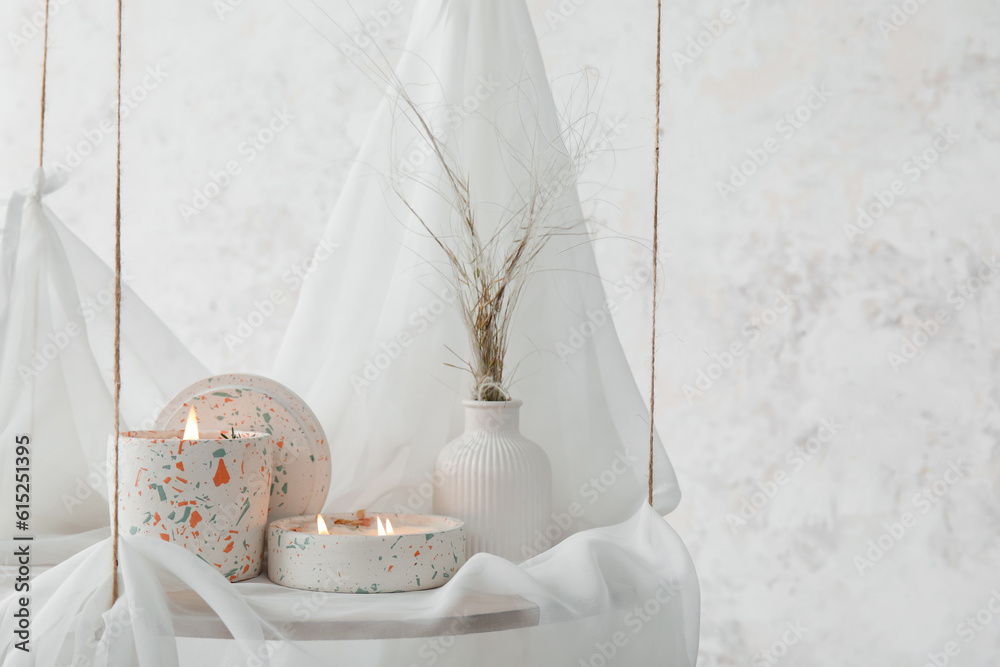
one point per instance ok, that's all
(472, 613)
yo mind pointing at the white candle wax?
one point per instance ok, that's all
(422, 552)
(350, 530)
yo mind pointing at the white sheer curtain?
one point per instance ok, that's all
(56, 336)
(618, 585)
(375, 327)
(624, 594)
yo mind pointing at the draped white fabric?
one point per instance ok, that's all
(626, 592)
(56, 335)
(367, 349)
(375, 326)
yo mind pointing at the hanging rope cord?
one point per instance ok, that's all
(656, 250)
(118, 265)
(41, 153)
(118, 310)
(45, 64)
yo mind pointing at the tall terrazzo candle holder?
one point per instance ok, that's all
(425, 552)
(208, 495)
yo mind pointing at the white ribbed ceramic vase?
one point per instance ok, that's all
(495, 480)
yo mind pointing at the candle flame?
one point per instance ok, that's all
(386, 529)
(191, 430)
(321, 525)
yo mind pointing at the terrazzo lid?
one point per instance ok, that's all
(254, 403)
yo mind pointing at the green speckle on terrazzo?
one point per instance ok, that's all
(246, 508)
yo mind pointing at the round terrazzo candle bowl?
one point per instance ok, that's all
(424, 552)
(208, 495)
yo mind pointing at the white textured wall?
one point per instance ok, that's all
(898, 423)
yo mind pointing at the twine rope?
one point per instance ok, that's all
(118, 310)
(656, 250)
(118, 262)
(45, 63)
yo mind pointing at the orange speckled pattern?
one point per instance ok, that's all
(301, 456)
(216, 508)
(354, 560)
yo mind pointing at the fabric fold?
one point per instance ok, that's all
(56, 328)
(626, 592)
(375, 330)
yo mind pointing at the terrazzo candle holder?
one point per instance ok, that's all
(423, 552)
(209, 495)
